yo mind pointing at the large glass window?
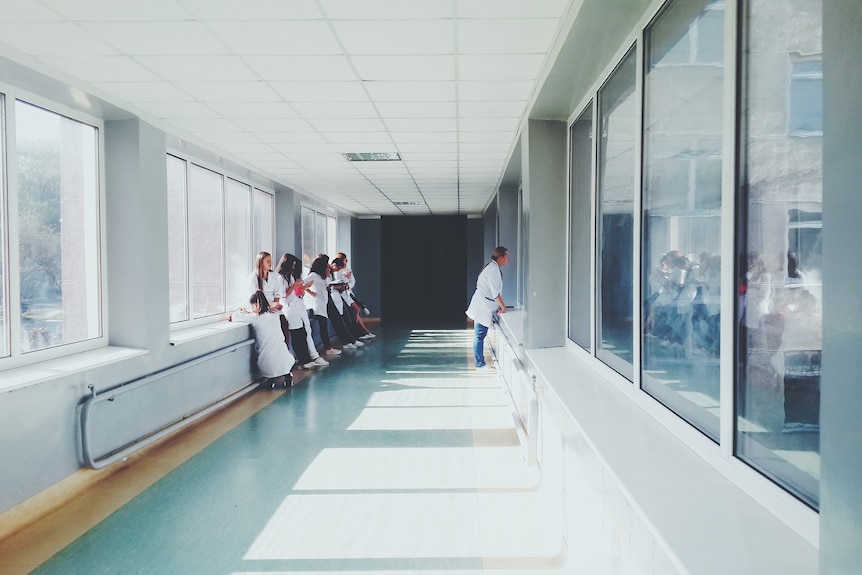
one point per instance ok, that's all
(580, 230)
(319, 232)
(5, 339)
(681, 250)
(263, 213)
(780, 283)
(238, 246)
(57, 165)
(177, 249)
(206, 241)
(617, 115)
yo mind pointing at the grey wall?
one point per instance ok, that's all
(507, 204)
(841, 392)
(365, 261)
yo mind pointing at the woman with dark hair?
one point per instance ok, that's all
(317, 297)
(261, 281)
(294, 313)
(339, 316)
(273, 358)
(487, 300)
(355, 307)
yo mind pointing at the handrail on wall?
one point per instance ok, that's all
(149, 439)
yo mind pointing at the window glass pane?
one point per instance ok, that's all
(778, 387)
(682, 213)
(320, 235)
(580, 205)
(237, 241)
(331, 233)
(177, 253)
(616, 181)
(263, 236)
(58, 228)
(308, 252)
(206, 267)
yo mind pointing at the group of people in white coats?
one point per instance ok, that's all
(486, 301)
(281, 306)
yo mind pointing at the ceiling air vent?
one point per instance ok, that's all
(373, 157)
(409, 203)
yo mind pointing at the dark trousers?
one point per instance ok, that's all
(324, 331)
(300, 345)
(338, 323)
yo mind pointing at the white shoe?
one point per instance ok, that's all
(309, 365)
(366, 311)
(320, 361)
(358, 343)
(366, 336)
(348, 346)
(333, 351)
(486, 369)
(370, 335)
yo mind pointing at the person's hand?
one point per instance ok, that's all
(501, 310)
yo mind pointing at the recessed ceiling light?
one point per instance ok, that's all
(372, 156)
(409, 203)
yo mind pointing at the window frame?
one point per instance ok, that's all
(9, 242)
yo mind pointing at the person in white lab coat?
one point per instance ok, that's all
(486, 301)
(291, 289)
(274, 360)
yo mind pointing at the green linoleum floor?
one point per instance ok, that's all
(368, 464)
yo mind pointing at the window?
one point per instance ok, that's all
(780, 284)
(681, 249)
(616, 188)
(580, 230)
(319, 233)
(214, 221)
(55, 161)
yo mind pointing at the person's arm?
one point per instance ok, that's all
(500, 303)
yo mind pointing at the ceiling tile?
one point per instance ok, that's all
(500, 67)
(421, 125)
(359, 141)
(321, 91)
(512, 8)
(420, 137)
(484, 147)
(248, 110)
(245, 137)
(272, 37)
(199, 68)
(113, 11)
(230, 91)
(384, 9)
(336, 109)
(488, 124)
(28, 11)
(347, 124)
(417, 109)
(495, 91)
(290, 137)
(411, 91)
(306, 148)
(396, 36)
(488, 136)
(264, 125)
(302, 68)
(405, 68)
(102, 68)
(203, 125)
(173, 110)
(180, 38)
(53, 39)
(428, 147)
(516, 36)
(492, 109)
(245, 148)
(134, 92)
(254, 9)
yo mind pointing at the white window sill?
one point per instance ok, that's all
(707, 522)
(61, 367)
(182, 336)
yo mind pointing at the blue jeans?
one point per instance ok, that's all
(479, 344)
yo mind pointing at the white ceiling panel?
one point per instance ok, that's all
(175, 110)
(264, 125)
(246, 148)
(396, 36)
(336, 109)
(506, 36)
(28, 11)
(248, 92)
(203, 125)
(492, 109)
(385, 9)
(489, 124)
(102, 68)
(421, 137)
(291, 137)
(179, 38)
(411, 91)
(114, 11)
(500, 67)
(305, 148)
(359, 141)
(401, 68)
(489, 136)
(302, 68)
(428, 147)
(254, 10)
(321, 91)
(495, 91)
(512, 8)
(270, 37)
(53, 39)
(258, 110)
(347, 124)
(484, 147)
(135, 92)
(422, 125)
(245, 137)
(199, 68)
(418, 110)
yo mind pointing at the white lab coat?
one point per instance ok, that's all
(483, 304)
(270, 287)
(317, 302)
(293, 306)
(273, 357)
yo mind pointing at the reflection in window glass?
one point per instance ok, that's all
(780, 301)
(616, 187)
(580, 205)
(263, 212)
(320, 235)
(308, 251)
(682, 213)
(206, 260)
(237, 241)
(5, 339)
(331, 232)
(177, 252)
(58, 228)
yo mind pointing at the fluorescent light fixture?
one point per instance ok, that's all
(372, 156)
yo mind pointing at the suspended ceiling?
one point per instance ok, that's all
(286, 87)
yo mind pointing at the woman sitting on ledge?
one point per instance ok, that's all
(273, 357)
